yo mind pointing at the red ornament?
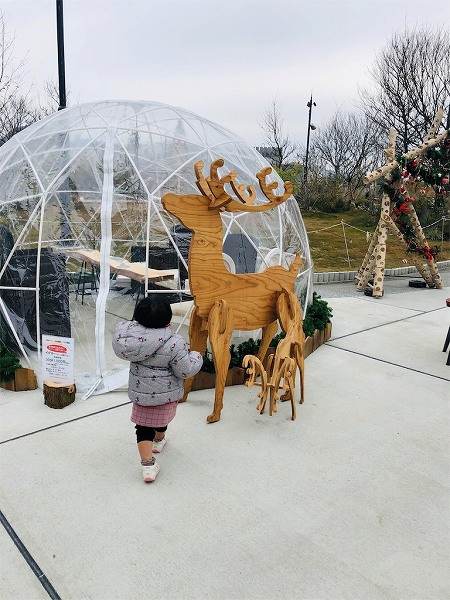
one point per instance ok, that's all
(405, 174)
(403, 190)
(404, 208)
(445, 180)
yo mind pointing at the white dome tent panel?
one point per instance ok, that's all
(83, 234)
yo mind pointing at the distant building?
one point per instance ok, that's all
(268, 152)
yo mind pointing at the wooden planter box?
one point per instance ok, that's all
(316, 340)
(24, 379)
(206, 381)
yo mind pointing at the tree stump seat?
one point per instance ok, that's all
(57, 394)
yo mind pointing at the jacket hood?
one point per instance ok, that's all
(135, 342)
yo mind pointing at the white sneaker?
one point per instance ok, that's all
(149, 472)
(158, 446)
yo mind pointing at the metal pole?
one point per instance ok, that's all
(61, 62)
(65, 211)
(310, 104)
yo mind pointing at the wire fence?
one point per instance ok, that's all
(437, 234)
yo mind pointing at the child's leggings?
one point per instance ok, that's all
(147, 434)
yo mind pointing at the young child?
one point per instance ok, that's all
(159, 362)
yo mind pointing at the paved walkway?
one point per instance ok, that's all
(349, 502)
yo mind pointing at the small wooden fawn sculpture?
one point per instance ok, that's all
(281, 366)
(224, 301)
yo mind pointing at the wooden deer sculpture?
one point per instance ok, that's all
(224, 301)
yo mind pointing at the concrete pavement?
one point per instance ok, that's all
(349, 502)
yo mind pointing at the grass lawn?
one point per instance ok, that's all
(328, 244)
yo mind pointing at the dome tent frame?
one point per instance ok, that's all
(92, 176)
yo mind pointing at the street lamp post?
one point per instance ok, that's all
(309, 104)
(61, 62)
(65, 197)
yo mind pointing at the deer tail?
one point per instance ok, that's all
(295, 265)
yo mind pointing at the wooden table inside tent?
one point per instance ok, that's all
(134, 270)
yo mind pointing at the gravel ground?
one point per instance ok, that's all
(392, 285)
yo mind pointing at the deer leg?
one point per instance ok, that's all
(198, 337)
(290, 380)
(254, 369)
(300, 360)
(220, 327)
(290, 317)
(275, 379)
(288, 395)
(267, 334)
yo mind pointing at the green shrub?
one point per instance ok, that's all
(208, 363)
(249, 346)
(9, 363)
(277, 339)
(318, 315)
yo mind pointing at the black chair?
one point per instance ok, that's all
(88, 275)
(242, 251)
(163, 257)
(446, 344)
(447, 339)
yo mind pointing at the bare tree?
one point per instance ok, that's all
(10, 71)
(348, 147)
(281, 148)
(51, 102)
(15, 110)
(15, 115)
(412, 80)
(18, 108)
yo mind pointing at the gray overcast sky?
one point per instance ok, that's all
(223, 59)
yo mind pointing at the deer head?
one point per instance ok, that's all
(213, 188)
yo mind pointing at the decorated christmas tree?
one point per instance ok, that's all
(427, 176)
(423, 171)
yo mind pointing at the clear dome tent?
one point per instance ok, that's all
(83, 233)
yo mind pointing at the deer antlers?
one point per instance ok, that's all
(213, 188)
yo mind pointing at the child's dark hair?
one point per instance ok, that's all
(153, 312)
